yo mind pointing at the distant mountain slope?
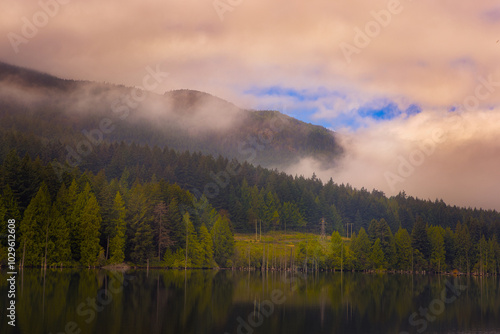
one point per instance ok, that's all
(63, 110)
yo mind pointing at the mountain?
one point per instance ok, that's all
(70, 112)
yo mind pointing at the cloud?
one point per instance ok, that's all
(424, 59)
(430, 155)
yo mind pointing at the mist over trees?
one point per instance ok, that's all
(138, 204)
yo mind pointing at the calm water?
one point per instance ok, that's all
(168, 301)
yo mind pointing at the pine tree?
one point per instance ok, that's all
(177, 230)
(337, 247)
(139, 218)
(118, 227)
(381, 230)
(377, 258)
(361, 247)
(223, 241)
(59, 249)
(420, 239)
(437, 257)
(10, 205)
(402, 242)
(89, 226)
(77, 202)
(463, 247)
(206, 248)
(34, 228)
(163, 231)
(194, 256)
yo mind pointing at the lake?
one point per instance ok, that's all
(197, 301)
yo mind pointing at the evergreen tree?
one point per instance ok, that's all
(59, 250)
(381, 230)
(34, 229)
(88, 230)
(10, 204)
(403, 249)
(463, 247)
(420, 239)
(377, 257)
(77, 202)
(361, 247)
(206, 248)
(449, 247)
(139, 236)
(337, 248)
(437, 257)
(162, 230)
(118, 227)
(223, 240)
(194, 256)
(494, 256)
(174, 223)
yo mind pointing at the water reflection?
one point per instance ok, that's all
(171, 301)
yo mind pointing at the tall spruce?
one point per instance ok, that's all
(34, 228)
(402, 242)
(118, 227)
(223, 240)
(89, 224)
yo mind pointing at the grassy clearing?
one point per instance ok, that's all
(275, 249)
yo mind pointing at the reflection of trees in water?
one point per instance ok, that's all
(178, 301)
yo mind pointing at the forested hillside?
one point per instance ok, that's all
(133, 203)
(71, 112)
(89, 186)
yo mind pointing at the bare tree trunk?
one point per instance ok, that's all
(46, 242)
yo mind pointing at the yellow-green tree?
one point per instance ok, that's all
(118, 227)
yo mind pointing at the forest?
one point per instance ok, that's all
(141, 204)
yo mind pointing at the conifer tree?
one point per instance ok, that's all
(117, 244)
(163, 230)
(437, 257)
(463, 247)
(59, 250)
(361, 247)
(377, 258)
(89, 224)
(10, 204)
(337, 247)
(402, 242)
(194, 256)
(223, 240)
(206, 248)
(420, 239)
(34, 228)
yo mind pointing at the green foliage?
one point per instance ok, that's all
(34, 228)
(361, 248)
(463, 246)
(149, 176)
(118, 228)
(420, 239)
(223, 241)
(402, 242)
(206, 248)
(381, 230)
(89, 223)
(337, 247)
(437, 258)
(377, 258)
(194, 252)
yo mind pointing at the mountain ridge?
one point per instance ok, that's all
(182, 119)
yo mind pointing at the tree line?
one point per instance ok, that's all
(252, 193)
(142, 194)
(93, 222)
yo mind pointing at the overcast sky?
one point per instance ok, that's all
(412, 87)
